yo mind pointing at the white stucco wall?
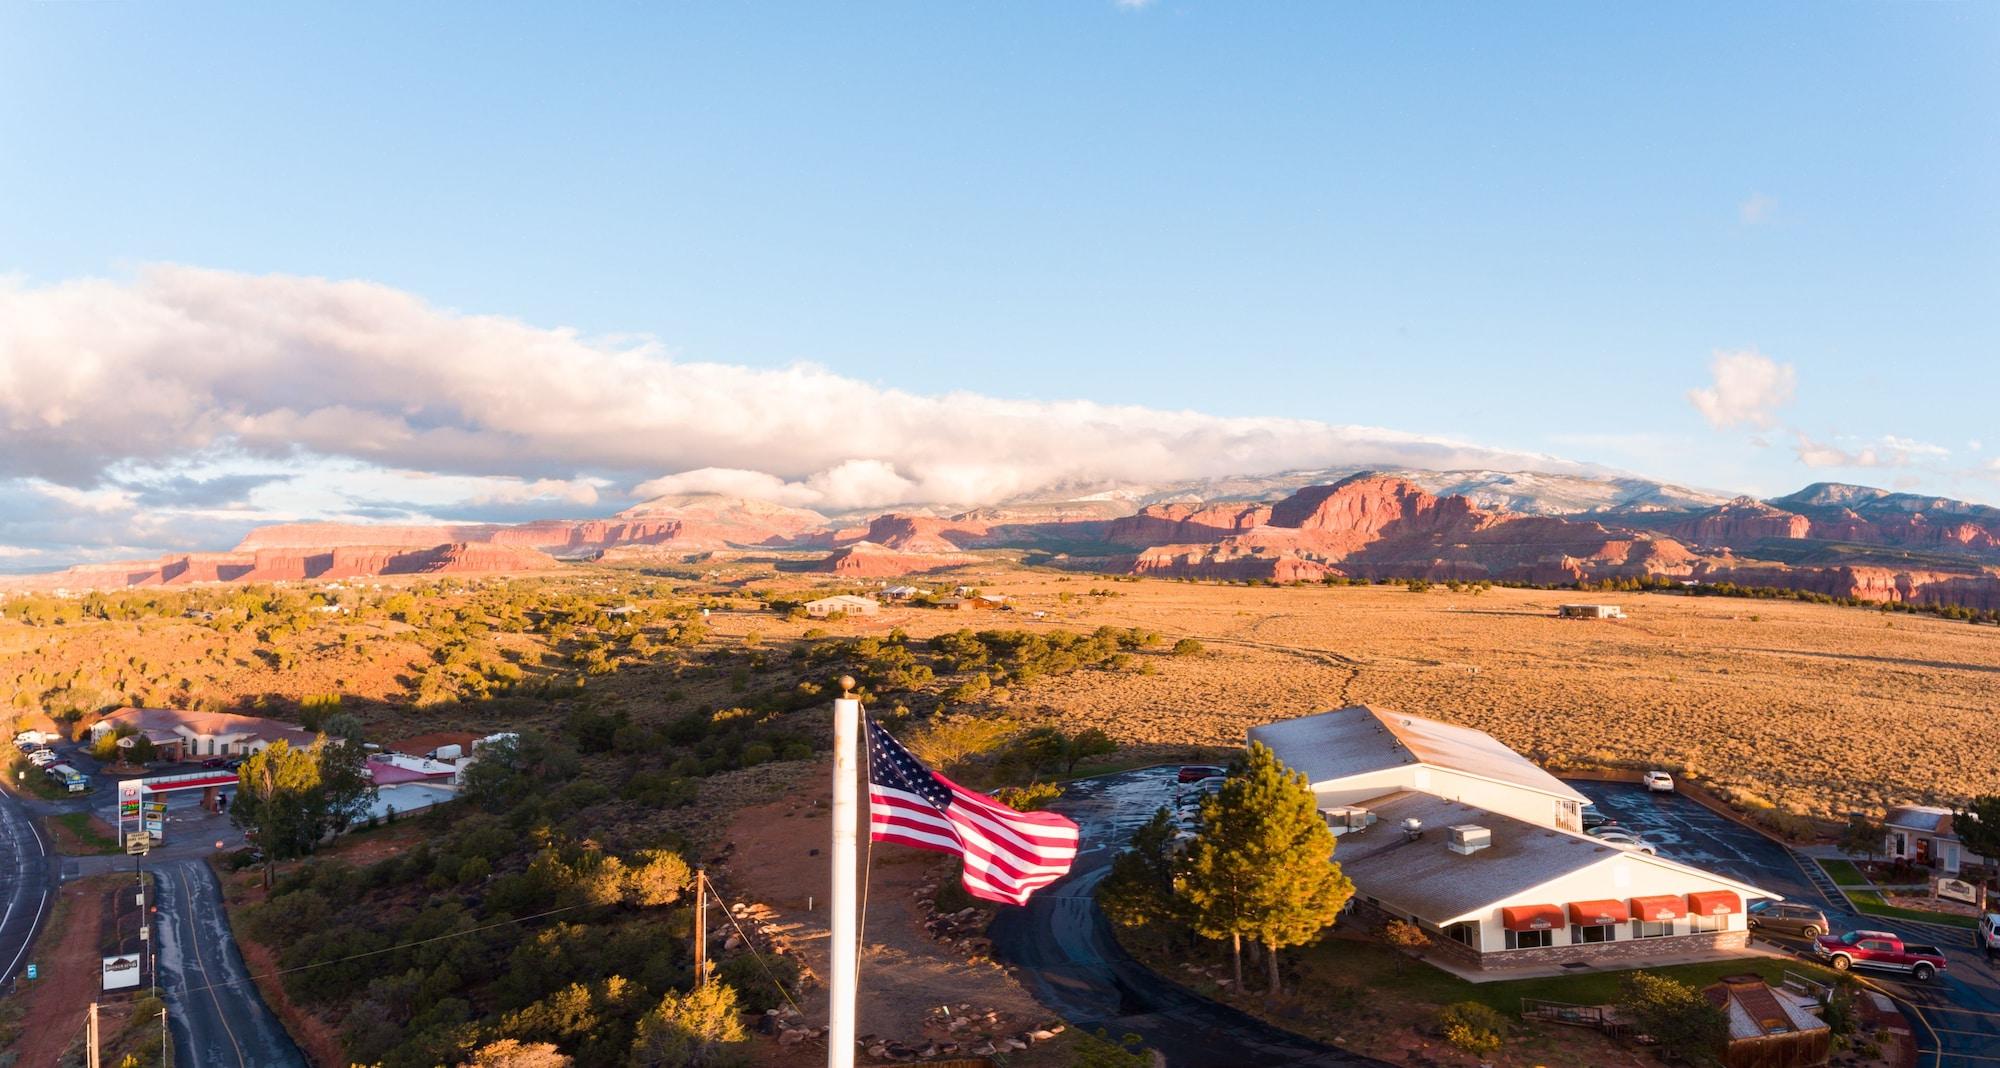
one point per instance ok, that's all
(1617, 878)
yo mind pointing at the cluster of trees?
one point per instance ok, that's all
(1258, 868)
(512, 934)
(289, 800)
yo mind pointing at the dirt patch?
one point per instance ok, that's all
(67, 958)
(81, 837)
(779, 861)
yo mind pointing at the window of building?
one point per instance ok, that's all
(1581, 933)
(1464, 934)
(1530, 939)
(1709, 923)
(1652, 928)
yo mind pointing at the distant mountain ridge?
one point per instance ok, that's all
(1845, 540)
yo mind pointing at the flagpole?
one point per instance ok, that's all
(840, 1031)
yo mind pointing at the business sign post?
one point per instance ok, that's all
(156, 819)
(128, 809)
(121, 972)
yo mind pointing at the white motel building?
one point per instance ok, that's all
(1447, 828)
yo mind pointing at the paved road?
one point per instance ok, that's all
(1065, 951)
(219, 1019)
(28, 881)
(1960, 1010)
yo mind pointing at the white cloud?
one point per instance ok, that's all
(1756, 209)
(1886, 451)
(100, 376)
(1132, 5)
(1747, 388)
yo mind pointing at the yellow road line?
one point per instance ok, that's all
(194, 947)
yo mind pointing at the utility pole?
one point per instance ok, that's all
(90, 1039)
(844, 980)
(700, 926)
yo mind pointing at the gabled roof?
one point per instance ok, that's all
(1360, 739)
(211, 724)
(1443, 887)
(1757, 1011)
(1926, 819)
(1440, 885)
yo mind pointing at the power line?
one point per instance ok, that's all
(371, 953)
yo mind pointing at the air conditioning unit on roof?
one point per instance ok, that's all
(1469, 838)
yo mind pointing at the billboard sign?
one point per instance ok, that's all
(121, 972)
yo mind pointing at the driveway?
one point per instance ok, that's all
(219, 1019)
(1960, 1011)
(1062, 948)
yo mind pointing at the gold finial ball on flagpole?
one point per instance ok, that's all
(847, 686)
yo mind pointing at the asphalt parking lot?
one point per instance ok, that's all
(1958, 1023)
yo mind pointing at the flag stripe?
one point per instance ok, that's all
(1007, 854)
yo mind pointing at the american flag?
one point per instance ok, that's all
(1008, 855)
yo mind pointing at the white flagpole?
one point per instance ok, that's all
(840, 1032)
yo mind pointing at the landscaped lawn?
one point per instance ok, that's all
(1871, 903)
(1845, 873)
(1340, 962)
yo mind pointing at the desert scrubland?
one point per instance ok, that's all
(1816, 709)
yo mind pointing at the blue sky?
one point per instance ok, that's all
(1527, 228)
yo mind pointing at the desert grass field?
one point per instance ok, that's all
(1815, 709)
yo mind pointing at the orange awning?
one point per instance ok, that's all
(1714, 902)
(1531, 917)
(1597, 913)
(1662, 907)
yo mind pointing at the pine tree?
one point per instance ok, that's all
(1978, 826)
(1261, 866)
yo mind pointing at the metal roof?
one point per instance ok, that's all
(1352, 741)
(1441, 886)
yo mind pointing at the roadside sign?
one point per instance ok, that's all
(33, 972)
(121, 972)
(138, 843)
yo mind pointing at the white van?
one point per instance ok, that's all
(1987, 935)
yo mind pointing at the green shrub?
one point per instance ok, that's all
(1470, 1026)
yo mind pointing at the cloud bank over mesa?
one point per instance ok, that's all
(183, 360)
(222, 393)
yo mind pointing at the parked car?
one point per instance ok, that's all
(1659, 782)
(1986, 936)
(1879, 949)
(1593, 819)
(1198, 772)
(42, 758)
(215, 762)
(1803, 920)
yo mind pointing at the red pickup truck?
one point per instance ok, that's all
(1878, 949)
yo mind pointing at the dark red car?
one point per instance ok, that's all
(1198, 772)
